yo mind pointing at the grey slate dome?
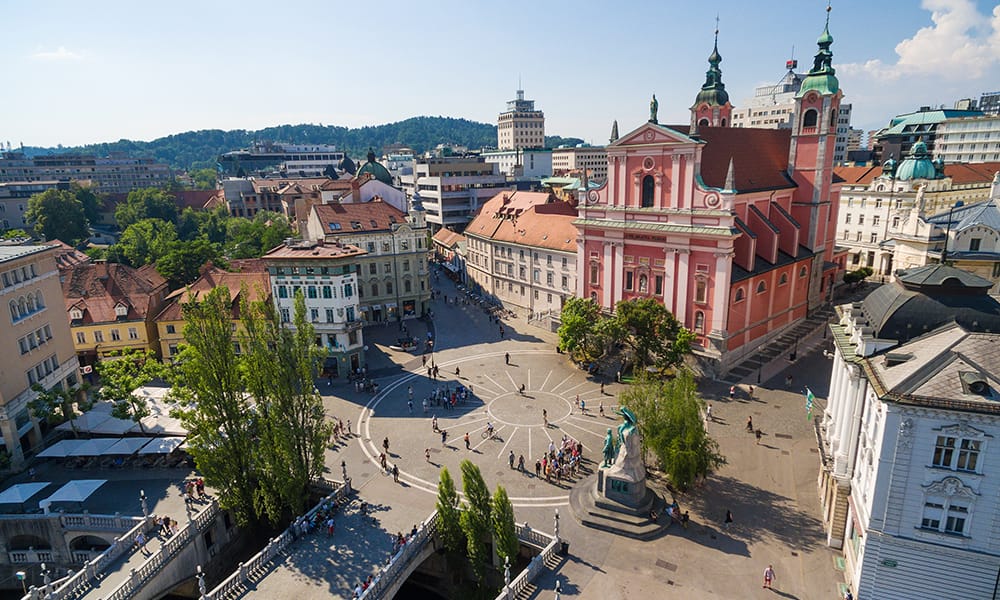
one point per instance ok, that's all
(925, 298)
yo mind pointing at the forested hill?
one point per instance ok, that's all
(200, 149)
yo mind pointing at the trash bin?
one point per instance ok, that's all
(564, 549)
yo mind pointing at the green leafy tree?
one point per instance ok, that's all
(146, 203)
(670, 421)
(652, 332)
(252, 238)
(57, 215)
(182, 262)
(10, 234)
(60, 403)
(448, 514)
(504, 532)
(475, 518)
(857, 276)
(213, 405)
(145, 242)
(204, 179)
(579, 317)
(90, 200)
(125, 372)
(280, 367)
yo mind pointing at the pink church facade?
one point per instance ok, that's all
(731, 229)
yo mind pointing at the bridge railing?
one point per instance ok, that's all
(89, 522)
(548, 544)
(254, 568)
(137, 578)
(401, 560)
(83, 580)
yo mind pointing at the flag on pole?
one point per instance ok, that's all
(809, 403)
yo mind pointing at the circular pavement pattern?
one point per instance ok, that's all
(551, 384)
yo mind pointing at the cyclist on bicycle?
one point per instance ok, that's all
(489, 429)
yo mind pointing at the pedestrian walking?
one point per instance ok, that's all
(583, 407)
(545, 417)
(427, 454)
(423, 360)
(521, 390)
(395, 473)
(729, 519)
(409, 405)
(444, 437)
(600, 408)
(510, 459)
(506, 358)
(750, 392)
(602, 388)
(538, 467)
(434, 423)
(768, 577)
(732, 392)
(758, 434)
(385, 444)
(788, 381)
(382, 461)
(708, 413)
(467, 445)
(409, 391)
(348, 427)
(520, 463)
(750, 423)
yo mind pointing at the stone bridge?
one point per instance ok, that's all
(122, 570)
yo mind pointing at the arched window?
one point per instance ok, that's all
(31, 303)
(783, 279)
(703, 123)
(700, 290)
(761, 287)
(22, 306)
(740, 294)
(593, 297)
(810, 117)
(13, 311)
(39, 301)
(648, 187)
(699, 322)
(374, 289)
(723, 122)
(802, 272)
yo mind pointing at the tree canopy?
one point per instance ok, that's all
(646, 326)
(57, 215)
(122, 374)
(145, 242)
(670, 420)
(146, 203)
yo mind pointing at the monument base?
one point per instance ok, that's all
(595, 505)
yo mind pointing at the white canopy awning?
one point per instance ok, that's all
(159, 422)
(94, 447)
(22, 492)
(59, 449)
(77, 490)
(127, 445)
(164, 445)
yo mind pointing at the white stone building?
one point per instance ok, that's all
(527, 163)
(452, 189)
(593, 159)
(326, 275)
(969, 140)
(908, 438)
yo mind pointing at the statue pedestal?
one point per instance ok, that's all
(618, 504)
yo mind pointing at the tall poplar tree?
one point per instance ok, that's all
(475, 518)
(214, 406)
(448, 513)
(504, 532)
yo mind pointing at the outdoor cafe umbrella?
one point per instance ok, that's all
(22, 492)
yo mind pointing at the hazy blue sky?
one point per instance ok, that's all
(77, 72)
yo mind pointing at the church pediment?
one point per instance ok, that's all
(651, 133)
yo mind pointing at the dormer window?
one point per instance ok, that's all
(121, 311)
(76, 314)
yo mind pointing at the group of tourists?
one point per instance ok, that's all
(194, 489)
(559, 462)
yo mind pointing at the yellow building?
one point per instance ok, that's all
(111, 307)
(170, 321)
(34, 342)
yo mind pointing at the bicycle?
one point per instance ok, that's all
(489, 434)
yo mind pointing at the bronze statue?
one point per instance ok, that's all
(653, 107)
(609, 449)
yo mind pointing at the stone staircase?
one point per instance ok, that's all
(781, 346)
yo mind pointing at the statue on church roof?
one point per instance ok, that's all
(653, 107)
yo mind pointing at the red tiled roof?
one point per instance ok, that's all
(528, 218)
(97, 288)
(760, 157)
(257, 284)
(68, 256)
(195, 199)
(858, 175)
(447, 237)
(358, 217)
(289, 184)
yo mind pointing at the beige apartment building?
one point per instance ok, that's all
(521, 250)
(593, 159)
(520, 126)
(35, 340)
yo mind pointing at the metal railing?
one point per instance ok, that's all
(549, 545)
(255, 568)
(389, 574)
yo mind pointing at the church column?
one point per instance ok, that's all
(622, 182)
(681, 285)
(843, 405)
(858, 386)
(612, 178)
(675, 180)
(607, 277)
(688, 187)
(720, 296)
(618, 282)
(583, 264)
(836, 389)
(855, 430)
